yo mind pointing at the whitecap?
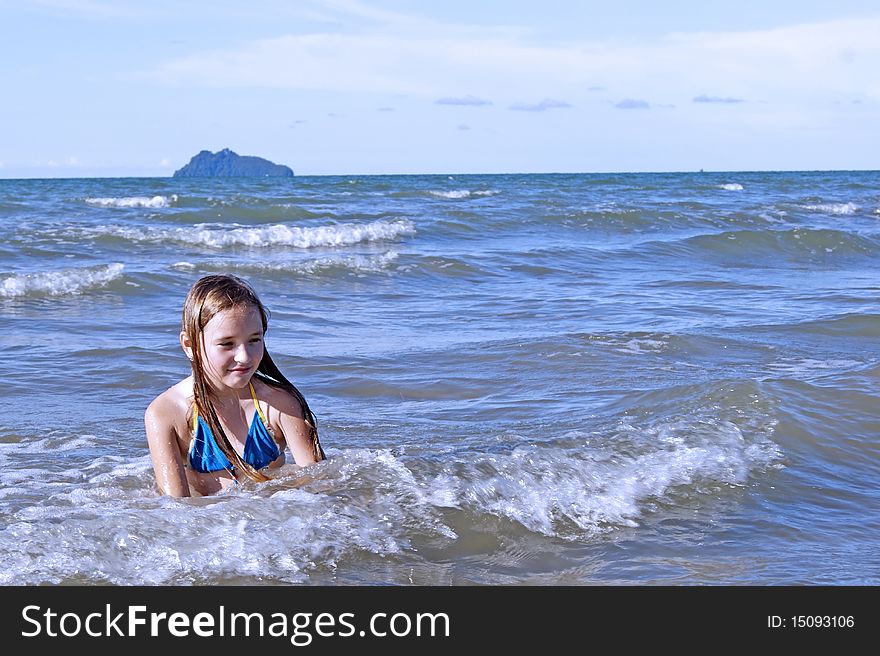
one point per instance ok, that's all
(114, 527)
(731, 186)
(222, 235)
(463, 193)
(596, 488)
(638, 346)
(807, 366)
(833, 208)
(59, 283)
(458, 193)
(354, 263)
(154, 202)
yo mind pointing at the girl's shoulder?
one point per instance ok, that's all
(175, 401)
(278, 398)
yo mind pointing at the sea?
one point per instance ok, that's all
(548, 380)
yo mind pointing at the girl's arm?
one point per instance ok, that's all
(162, 438)
(295, 430)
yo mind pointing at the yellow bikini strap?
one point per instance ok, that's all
(257, 404)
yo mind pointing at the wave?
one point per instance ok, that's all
(363, 502)
(65, 282)
(464, 193)
(731, 186)
(192, 214)
(379, 509)
(804, 367)
(154, 202)
(353, 263)
(440, 269)
(673, 218)
(608, 208)
(840, 209)
(594, 488)
(854, 325)
(749, 246)
(223, 236)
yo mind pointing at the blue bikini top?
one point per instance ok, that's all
(260, 448)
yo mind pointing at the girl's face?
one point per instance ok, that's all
(233, 347)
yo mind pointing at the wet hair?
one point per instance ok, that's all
(207, 297)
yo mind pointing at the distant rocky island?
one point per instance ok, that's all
(227, 164)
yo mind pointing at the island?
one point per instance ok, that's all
(227, 164)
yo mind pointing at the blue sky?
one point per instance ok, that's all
(126, 88)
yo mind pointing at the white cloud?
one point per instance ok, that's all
(703, 98)
(631, 103)
(401, 54)
(68, 162)
(543, 106)
(465, 100)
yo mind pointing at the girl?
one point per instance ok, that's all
(200, 437)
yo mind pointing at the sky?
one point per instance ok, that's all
(119, 88)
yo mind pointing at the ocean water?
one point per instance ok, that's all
(588, 379)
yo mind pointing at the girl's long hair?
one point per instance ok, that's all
(208, 296)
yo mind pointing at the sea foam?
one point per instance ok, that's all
(833, 208)
(731, 186)
(463, 193)
(222, 236)
(59, 283)
(597, 488)
(361, 502)
(134, 201)
(355, 264)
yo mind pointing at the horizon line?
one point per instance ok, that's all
(447, 173)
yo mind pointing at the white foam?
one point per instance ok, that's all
(124, 469)
(833, 208)
(59, 283)
(798, 367)
(105, 522)
(60, 443)
(355, 263)
(599, 487)
(114, 526)
(399, 491)
(609, 207)
(463, 193)
(222, 236)
(731, 186)
(636, 345)
(774, 216)
(134, 201)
